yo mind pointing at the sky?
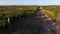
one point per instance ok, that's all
(29, 2)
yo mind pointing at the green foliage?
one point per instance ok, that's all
(10, 11)
(23, 11)
(53, 9)
(14, 11)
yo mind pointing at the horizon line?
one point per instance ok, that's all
(28, 5)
